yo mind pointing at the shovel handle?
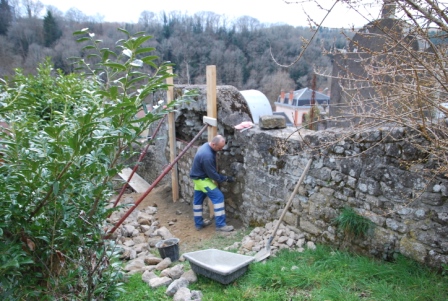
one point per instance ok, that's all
(302, 177)
(268, 244)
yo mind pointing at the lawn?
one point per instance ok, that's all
(322, 274)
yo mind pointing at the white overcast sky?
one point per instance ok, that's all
(266, 11)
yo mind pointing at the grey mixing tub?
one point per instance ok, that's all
(218, 265)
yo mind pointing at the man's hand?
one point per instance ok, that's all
(230, 179)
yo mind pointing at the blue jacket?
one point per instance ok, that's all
(204, 165)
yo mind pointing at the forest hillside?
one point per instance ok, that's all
(242, 49)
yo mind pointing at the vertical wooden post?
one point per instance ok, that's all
(211, 111)
(172, 137)
(211, 100)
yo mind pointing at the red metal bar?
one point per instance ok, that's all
(159, 178)
(142, 155)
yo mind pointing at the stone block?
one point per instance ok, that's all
(375, 201)
(396, 226)
(433, 199)
(369, 186)
(442, 218)
(435, 259)
(412, 248)
(337, 176)
(328, 214)
(290, 219)
(175, 286)
(159, 281)
(148, 275)
(328, 236)
(376, 219)
(319, 198)
(383, 237)
(267, 122)
(190, 276)
(307, 226)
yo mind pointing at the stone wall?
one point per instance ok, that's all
(232, 109)
(373, 174)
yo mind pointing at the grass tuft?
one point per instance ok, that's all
(352, 224)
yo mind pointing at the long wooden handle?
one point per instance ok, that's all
(302, 177)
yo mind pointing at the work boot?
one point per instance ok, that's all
(205, 223)
(227, 228)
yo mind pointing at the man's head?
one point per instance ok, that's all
(218, 142)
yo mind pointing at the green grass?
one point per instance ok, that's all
(323, 274)
(137, 290)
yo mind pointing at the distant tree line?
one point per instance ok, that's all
(240, 49)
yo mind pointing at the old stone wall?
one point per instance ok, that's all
(232, 109)
(373, 174)
(409, 210)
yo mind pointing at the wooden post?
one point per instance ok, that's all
(211, 111)
(172, 137)
(211, 100)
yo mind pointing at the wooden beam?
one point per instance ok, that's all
(210, 121)
(137, 183)
(172, 138)
(212, 112)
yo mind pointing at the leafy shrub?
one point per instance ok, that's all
(66, 138)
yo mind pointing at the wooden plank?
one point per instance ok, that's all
(212, 112)
(137, 183)
(172, 138)
(210, 121)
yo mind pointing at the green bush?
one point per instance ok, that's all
(66, 138)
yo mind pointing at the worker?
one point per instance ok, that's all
(205, 178)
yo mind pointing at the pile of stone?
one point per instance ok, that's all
(138, 235)
(136, 241)
(174, 278)
(286, 237)
(139, 232)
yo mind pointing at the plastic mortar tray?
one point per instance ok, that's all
(218, 265)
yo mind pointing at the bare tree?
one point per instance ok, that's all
(15, 8)
(147, 18)
(25, 32)
(32, 7)
(247, 23)
(273, 84)
(5, 16)
(36, 55)
(393, 74)
(75, 15)
(8, 58)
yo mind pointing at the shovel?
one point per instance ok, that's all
(266, 252)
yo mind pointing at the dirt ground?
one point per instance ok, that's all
(177, 217)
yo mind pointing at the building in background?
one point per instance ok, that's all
(296, 104)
